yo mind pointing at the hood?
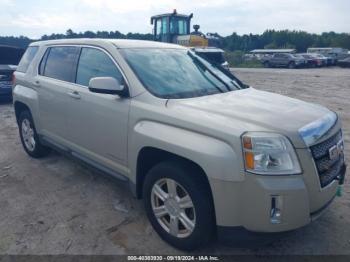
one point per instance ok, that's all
(254, 110)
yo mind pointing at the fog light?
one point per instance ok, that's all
(276, 210)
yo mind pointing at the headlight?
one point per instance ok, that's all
(269, 154)
(313, 131)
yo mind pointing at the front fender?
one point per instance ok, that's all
(215, 157)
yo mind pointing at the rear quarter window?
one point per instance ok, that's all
(27, 58)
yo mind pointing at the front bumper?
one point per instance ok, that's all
(248, 204)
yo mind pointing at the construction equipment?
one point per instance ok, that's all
(175, 28)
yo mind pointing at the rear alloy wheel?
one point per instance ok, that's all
(291, 65)
(29, 137)
(178, 204)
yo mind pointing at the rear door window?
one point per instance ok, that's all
(60, 63)
(95, 63)
(27, 58)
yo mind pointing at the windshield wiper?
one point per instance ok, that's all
(201, 65)
(230, 75)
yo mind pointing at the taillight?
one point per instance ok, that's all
(13, 79)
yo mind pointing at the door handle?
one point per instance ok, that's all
(74, 94)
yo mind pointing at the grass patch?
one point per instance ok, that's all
(236, 59)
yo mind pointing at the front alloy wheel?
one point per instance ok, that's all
(173, 208)
(179, 205)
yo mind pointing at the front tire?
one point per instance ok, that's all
(267, 65)
(29, 137)
(179, 205)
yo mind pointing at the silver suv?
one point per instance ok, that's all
(208, 154)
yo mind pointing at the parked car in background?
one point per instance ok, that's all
(344, 62)
(284, 60)
(212, 55)
(327, 60)
(9, 59)
(6, 72)
(323, 60)
(336, 53)
(331, 60)
(10, 55)
(313, 60)
(309, 61)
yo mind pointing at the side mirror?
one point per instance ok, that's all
(106, 85)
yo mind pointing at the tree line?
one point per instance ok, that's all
(299, 40)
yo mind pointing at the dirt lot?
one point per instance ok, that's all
(56, 206)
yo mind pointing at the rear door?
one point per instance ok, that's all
(279, 59)
(54, 82)
(275, 60)
(98, 123)
(285, 58)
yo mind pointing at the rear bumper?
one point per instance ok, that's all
(5, 92)
(5, 97)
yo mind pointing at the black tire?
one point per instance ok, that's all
(267, 65)
(38, 150)
(291, 65)
(188, 177)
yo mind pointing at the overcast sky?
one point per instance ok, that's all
(35, 18)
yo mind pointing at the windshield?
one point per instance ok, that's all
(178, 26)
(297, 56)
(179, 73)
(319, 56)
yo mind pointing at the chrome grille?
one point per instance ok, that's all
(328, 169)
(322, 149)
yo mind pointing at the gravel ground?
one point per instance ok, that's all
(57, 206)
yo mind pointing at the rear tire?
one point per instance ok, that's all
(267, 65)
(199, 226)
(29, 137)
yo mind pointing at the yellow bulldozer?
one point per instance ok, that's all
(175, 28)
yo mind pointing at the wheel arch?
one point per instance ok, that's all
(19, 108)
(148, 157)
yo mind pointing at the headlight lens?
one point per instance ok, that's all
(313, 131)
(269, 154)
